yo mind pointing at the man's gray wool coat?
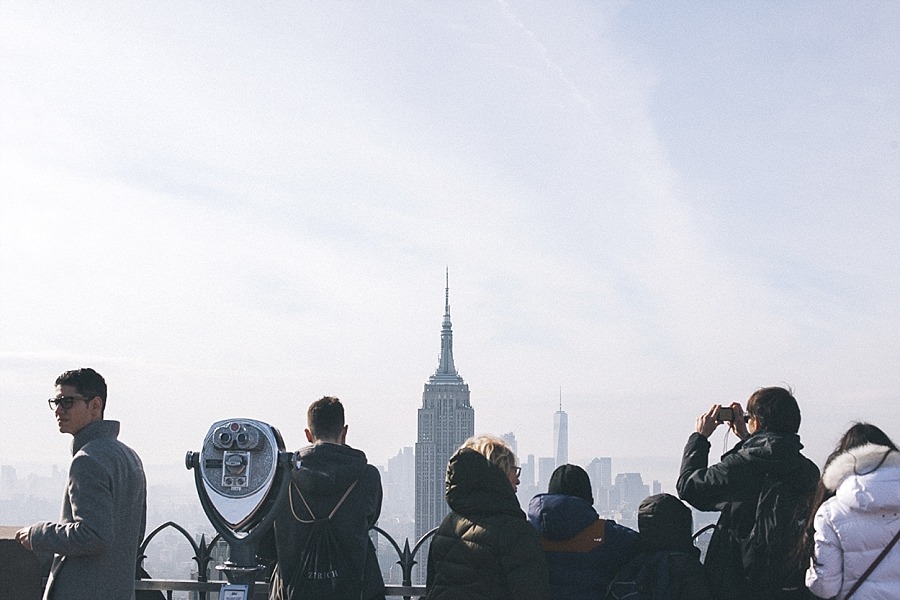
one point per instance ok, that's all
(102, 523)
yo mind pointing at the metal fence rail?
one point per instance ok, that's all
(170, 586)
(406, 558)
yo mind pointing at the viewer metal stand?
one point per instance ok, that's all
(242, 477)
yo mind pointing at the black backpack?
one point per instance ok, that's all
(323, 570)
(767, 551)
(645, 577)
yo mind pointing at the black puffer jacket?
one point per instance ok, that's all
(324, 473)
(732, 487)
(484, 549)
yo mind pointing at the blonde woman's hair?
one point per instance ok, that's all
(494, 449)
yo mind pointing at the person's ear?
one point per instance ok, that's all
(95, 407)
(309, 436)
(344, 435)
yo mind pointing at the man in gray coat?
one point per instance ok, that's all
(104, 511)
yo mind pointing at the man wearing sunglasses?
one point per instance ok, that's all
(104, 511)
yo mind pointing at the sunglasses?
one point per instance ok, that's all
(65, 401)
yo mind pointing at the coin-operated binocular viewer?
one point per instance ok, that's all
(242, 476)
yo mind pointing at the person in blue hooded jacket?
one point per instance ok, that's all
(584, 552)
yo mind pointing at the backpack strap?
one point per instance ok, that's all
(874, 564)
(306, 504)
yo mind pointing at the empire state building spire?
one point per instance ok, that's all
(446, 420)
(446, 370)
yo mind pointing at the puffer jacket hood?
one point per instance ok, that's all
(858, 461)
(867, 478)
(559, 517)
(327, 469)
(475, 486)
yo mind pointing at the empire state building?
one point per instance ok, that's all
(446, 420)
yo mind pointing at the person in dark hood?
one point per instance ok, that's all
(584, 552)
(327, 471)
(485, 549)
(666, 526)
(767, 457)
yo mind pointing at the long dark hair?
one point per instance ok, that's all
(858, 435)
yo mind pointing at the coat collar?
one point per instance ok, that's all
(94, 431)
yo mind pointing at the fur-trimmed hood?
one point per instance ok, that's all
(866, 478)
(858, 461)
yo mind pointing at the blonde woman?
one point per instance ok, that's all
(485, 549)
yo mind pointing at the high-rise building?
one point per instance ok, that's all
(510, 439)
(399, 483)
(628, 492)
(561, 435)
(546, 466)
(600, 472)
(527, 475)
(446, 420)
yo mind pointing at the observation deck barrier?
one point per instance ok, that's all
(203, 588)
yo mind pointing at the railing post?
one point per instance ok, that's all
(407, 557)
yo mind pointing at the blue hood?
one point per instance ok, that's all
(558, 517)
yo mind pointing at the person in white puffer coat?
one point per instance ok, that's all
(856, 515)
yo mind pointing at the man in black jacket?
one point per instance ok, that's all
(766, 458)
(327, 471)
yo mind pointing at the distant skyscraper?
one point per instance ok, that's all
(546, 466)
(527, 475)
(628, 491)
(510, 439)
(604, 479)
(446, 420)
(561, 435)
(399, 483)
(600, 472)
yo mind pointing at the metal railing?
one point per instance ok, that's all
(203, 586)
(203, 556)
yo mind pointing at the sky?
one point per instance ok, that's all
(231, 209)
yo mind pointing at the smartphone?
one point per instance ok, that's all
(726, 413)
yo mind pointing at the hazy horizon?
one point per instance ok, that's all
(233, 210)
